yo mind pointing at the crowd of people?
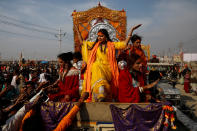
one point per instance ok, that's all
(96, 71)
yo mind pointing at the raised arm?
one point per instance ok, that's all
(79, 35)
(131, 32)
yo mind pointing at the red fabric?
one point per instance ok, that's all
(186, 87)
(82, 76)
(139, 52)
(141, 79)
(70, 87)
(142, 55)
(187, 83)
(127, 93)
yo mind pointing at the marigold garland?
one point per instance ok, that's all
(169, 116)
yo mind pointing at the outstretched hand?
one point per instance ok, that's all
(151, 85)
(131, 32)
(137, 26)
(85, 96)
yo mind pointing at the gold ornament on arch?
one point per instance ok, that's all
(115, 18)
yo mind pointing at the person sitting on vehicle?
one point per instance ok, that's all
(68, 82)
(131, 83)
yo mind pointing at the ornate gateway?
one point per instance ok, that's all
(90, 21)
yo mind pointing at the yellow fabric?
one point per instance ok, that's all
(120, 45)
(101, 68)
(27, 115)
(91, 59)
(84, 50)
(67, 120)
(87, 44)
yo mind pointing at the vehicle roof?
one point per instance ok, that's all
(159, 64)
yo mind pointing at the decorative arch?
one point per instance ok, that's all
(113, 20)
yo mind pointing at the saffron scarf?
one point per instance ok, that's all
(112, 61)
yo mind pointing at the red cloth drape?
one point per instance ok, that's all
(186, 87)
(127, 93)
(70, 86)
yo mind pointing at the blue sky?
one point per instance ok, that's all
(166, 23)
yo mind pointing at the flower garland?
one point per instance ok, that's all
(169, 116)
